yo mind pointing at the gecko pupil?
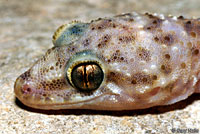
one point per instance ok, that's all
(87, 76)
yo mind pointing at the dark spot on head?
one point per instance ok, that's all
(144, 79)
(155, 23)
(192, 27)
(167, 56)
(99, 28)
(51, 68)
(117, 78)
(126, 38)
(169, 87)
(124, 27)
(188, 23)
(166, 69)
(131, 19)
(52, 85)
(114, 26)
(59, 59)
(71, 48)
(144, 54)
(49, 51)
(99, 19)
(167, 39)
(150, 15)
(57, 63)
(156, 39)
(26, 75)
(103, 24)
(104, 41)
(163, 67)
(134, 81)
(193, 34)
(141, 78)
(44, 58)
(117, 57)
(183, 65)
(76, 29)
(148, 28)
(181, 17)
(154, 77)
(195, 52)
(87, 42)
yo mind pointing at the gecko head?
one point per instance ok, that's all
(70, 76)
(57, 82)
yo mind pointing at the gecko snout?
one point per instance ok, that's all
(23, 89)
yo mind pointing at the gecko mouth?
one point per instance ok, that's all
(29, 96)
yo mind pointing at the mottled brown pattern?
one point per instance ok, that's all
(117, 78)
(141, 78)
(165, 38)
(26, 75)
(104, 41)
(192, 27)
(126, 38)
(103, 24)
(154, 24)
(87, 42)
(169, 87)
(144, 54)
(55, 84)
(117, 56)
(166, 68)
(195, 51)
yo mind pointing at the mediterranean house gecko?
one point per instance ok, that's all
(129, 61)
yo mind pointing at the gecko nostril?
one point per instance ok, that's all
(26, 89)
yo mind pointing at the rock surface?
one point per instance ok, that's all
(26, 28)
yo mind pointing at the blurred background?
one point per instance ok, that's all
(26, 29)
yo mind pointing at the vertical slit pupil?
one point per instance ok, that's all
(87, 76)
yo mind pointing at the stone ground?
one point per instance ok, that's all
(26, 28)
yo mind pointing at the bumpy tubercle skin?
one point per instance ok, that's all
(148, 60)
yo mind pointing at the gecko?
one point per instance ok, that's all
(125, 62)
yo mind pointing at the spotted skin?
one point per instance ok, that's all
(147, 60)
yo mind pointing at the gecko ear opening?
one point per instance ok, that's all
(84, 71)
(68, 33)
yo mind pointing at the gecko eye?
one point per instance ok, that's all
(87, 76)
(85, 71)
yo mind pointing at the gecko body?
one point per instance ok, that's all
(125, 62)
